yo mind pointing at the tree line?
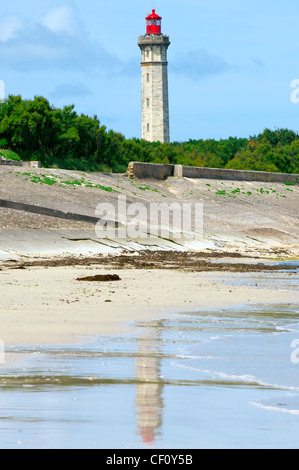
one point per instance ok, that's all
(35, 130)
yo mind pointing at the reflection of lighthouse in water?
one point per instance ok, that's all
(149, 402)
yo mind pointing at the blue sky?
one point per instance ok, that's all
(230, 63)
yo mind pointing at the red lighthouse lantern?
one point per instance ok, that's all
(153, 23)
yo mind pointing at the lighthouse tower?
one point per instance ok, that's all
(154, 81)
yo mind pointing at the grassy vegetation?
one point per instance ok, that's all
(55, 179)
(9, 154)
(242, 191)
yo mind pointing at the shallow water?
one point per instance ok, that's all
(225, 378)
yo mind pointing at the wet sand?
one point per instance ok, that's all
(207, 378)
(45, 304)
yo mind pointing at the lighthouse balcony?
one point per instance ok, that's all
(153, 38)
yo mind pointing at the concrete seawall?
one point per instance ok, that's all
(239, 175)
(157, 171)
(29, 164)
(142, 170)
(11, 162)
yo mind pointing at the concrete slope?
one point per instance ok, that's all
(250, 218)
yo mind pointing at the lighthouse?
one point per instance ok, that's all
(154, 81)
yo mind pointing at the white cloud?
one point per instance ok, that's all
(199, 64)
(54, 42)
(9, 24)
(74, 89)
(63, 18)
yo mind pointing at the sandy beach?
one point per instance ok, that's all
(48, 305)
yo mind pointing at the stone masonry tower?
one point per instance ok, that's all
(154, 81)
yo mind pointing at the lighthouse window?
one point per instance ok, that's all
(147, 77)
(147, 102)
(147, 127)
(155, 22)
